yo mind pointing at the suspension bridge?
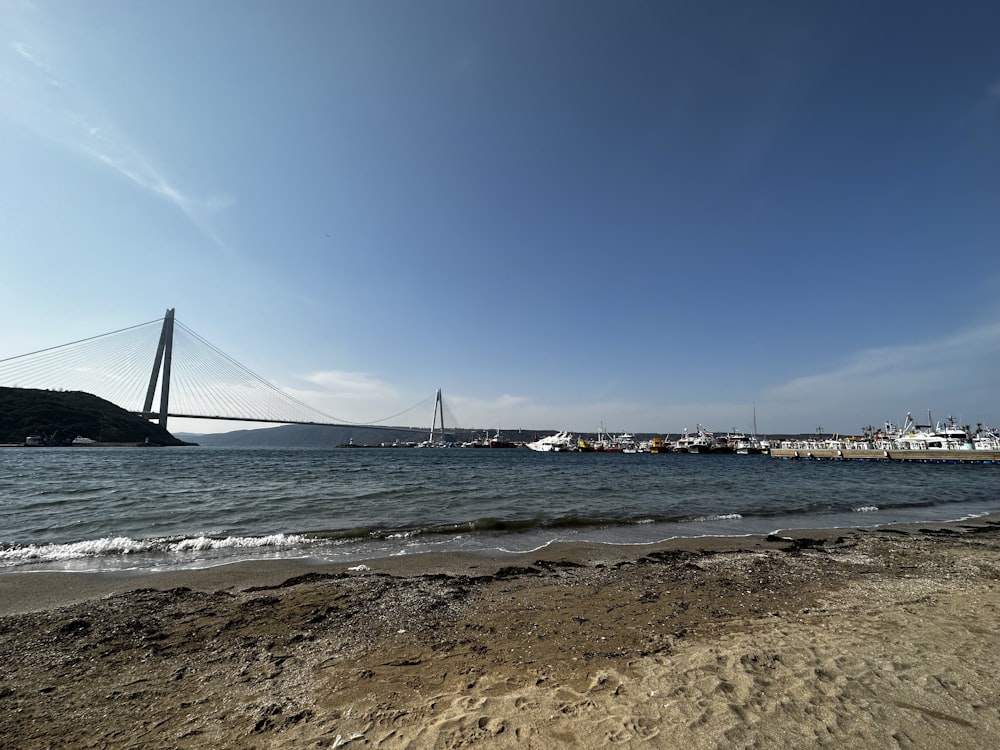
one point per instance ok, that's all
(162, 369)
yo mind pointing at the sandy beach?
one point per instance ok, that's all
(841, 639)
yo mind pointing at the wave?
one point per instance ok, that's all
(123, 546)
(492, 525)
(720, 517)
(190, 547)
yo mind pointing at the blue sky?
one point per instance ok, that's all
(641, 214)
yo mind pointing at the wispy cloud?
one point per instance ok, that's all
(346, 384)
(354, 397)
(953, 372)
(524, 412)
(501, 403)
(114, 151)
(24, 51)
(59, 108)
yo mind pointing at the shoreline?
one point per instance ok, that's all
(839, 638)
(52, 589)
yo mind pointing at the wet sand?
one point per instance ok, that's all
(840, 639)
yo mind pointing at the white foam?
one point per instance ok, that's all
(720, 517)
(400, 535)
(122, 545)
(119, 545)
(201, 543)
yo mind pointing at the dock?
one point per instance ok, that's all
(910, 456)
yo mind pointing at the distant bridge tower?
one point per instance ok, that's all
(161, 363)
(438, 409)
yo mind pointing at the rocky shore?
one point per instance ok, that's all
(851, 639)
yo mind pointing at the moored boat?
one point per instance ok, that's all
(697, 442)
(660, 445)
(745, 445)
(625, 443)
(986, 438)
(558, 443)
(941, 442)
(498, 441)
(943, 436)
(721, 444)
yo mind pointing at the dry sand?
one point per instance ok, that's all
(854, 639)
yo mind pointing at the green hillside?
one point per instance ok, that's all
(61, 416)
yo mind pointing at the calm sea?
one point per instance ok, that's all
(121, 508)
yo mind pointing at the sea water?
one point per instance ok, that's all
(93, 509)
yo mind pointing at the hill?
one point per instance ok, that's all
(318, 436)
(309, 436)
(60, 416)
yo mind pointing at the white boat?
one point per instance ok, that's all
(627, 443)
(942, 436)
(986, 438)
(681, 444)
(947, 436)
(624, 443)
(743, 444)
(561, 441)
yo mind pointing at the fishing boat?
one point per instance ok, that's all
(477, 442)
(743, 444)
(498, 441)
(699, 441)
(986, 438)
(721, 444)
(941, 442)
(603, 443)
(947, 436)
(659, 445)
(626, 443)
(747, 445)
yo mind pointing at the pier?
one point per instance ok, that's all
(911, 456)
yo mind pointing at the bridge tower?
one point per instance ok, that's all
(438, 409)
(161, 363)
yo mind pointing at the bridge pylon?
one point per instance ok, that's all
(438, 409)
(161, 364)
